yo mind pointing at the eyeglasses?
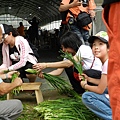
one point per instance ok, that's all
(4, 36)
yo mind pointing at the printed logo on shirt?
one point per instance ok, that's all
(15, 56)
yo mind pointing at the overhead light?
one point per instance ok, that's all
(9, 7)
(30, 14)
(39, 7)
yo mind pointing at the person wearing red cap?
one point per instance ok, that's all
(96, 98)
(111, 18)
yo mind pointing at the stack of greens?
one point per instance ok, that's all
(57, 82)
(64, 109)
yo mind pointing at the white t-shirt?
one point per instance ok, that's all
(105, 67)
(85, 52)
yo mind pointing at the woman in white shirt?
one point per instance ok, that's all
(71, 43)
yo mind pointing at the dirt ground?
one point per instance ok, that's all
(27, 98)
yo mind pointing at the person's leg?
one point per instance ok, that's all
(85, 34)
(77, 31)
(11, 109)
(24, 74)
(75, 84)
(111, 19)
(98, 104)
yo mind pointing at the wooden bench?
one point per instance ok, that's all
(30, 86)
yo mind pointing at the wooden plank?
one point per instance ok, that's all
(39, 96)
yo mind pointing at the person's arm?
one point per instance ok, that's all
(89, 79)
(91, 8)
(23, 48)
(97, 89)
(93, 80)
(7, 75)
(7, 87)
(56, 72)
(61, 64)
(64, 7)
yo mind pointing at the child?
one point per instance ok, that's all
(97, 98)
(71, 43)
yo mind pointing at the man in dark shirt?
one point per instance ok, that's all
(111, 18)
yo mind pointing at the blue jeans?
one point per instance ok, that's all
(98, 104)
(82, 34)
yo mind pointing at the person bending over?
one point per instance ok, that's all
(71, 43)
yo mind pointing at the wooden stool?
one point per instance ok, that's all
(30, 86)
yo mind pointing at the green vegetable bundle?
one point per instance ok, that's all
(64, 109)
(57, 82)
(60, 84)
(77, 64)
(16, 90)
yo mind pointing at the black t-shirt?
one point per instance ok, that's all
(107, 2)
(14, 55)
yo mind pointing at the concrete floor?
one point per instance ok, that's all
(48, 55)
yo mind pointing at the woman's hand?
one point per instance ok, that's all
(76, 3)
(41, 75)
(2, 71)
(92, 13)
(39, 66)
(82, 77)
(9, 74)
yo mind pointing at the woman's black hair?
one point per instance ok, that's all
(71, 40)
(9, 28)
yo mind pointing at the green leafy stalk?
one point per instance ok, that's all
(32, 71)
(16, 90)
(57, 82)
(64, 109)
(77, 64)
(60, 84)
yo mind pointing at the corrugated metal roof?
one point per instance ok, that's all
(45, 10)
